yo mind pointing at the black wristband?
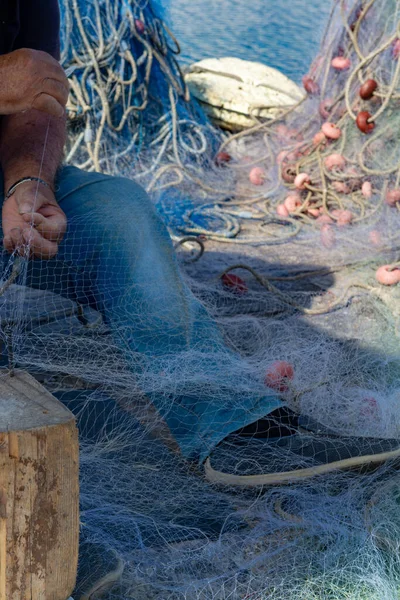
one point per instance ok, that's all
(24, 180)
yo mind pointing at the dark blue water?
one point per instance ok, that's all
(281, 33)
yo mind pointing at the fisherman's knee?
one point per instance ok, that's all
(112, 211)
(129, 199)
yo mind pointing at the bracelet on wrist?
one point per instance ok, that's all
(15, 185)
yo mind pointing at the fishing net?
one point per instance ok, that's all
(127, 91)
(279, 233)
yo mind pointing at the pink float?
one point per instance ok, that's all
(341, 187)
(140, 26)
(335, 161)
(319, 138)
(278, 375)
(328, 237)
(375, 238)
(301, 180)
(340, 63)
(257, 176)
(325, 108)
(282, 211)
(387, 275)
(281, 130)
(392, 197)
(313, 212)
(332, 131)
(366, 189)
(234, 283)
(396, 49)
(292, 202)
(344, 217)
(324, 220)
(281, 156)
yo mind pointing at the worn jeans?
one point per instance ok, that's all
(125, 267)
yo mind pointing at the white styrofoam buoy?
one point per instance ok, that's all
(232, 91)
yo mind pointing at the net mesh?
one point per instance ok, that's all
(161, 352)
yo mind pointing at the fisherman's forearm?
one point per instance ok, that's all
(31, 145)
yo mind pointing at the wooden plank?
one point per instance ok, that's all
(42, 515)
(62, 474)
(3, 545)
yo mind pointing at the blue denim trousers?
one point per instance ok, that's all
(125, 267)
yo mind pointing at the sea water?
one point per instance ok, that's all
(284, 34)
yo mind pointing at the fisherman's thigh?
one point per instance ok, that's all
(102, 209)
(117, 242)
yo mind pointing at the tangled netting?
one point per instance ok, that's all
(127, 91)
(329, 162)
(310, 205)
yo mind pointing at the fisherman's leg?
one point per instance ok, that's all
(123, 257)
(122, 262)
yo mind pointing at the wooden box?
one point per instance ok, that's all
(39, 492)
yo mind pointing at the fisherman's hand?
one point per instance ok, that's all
(32, 220)
(32, 79)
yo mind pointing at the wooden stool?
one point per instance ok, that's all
(39, 492)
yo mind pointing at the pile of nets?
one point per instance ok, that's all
(306, 220)
(334, 160)
(128, 92)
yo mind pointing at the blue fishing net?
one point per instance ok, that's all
(127, 85)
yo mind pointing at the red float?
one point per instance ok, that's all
(310, 85)
(363, 122)
(278, 375)
(223, 158)
(367, 89)
(234, 284)
(140, 26)
(325, 108)
(288, 173)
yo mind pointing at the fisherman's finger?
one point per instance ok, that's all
(29, 204)
(15, 240)
(51, 229)
(38, 245)
(48, 104)
(8, 244)
(57, 89)
(16, 237)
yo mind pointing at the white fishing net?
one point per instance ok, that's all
(157, 381)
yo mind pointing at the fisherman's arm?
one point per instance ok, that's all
(31, 142)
